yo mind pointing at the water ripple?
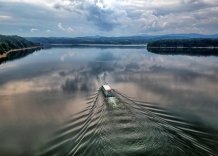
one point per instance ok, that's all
(128, 127)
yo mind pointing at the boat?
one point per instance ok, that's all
(107, 91)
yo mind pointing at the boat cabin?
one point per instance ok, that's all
(106, 89)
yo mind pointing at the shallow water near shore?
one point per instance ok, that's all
(167, 104)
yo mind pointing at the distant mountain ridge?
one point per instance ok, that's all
(139, 39)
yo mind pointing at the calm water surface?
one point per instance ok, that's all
(42, 91)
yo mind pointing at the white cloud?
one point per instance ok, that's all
(32, 30)
(34, 2)
(48, 30)
(67, 29)
(4, 18)
(60, 26)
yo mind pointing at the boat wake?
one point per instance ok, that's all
(128, 127)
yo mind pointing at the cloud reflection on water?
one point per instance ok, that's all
(48, 87)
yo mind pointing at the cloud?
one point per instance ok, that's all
(143, 15)
(48, 30)
(34, 30)
(3, 17)
(60, 26)
(112, 17)
(42, 3)
(68, 29)
(97, 11)
(103, 18)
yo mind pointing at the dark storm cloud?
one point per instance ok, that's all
(95, 11)
(104, 19)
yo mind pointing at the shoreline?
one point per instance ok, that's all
(4, 55)
(96, 44)
(184, 47)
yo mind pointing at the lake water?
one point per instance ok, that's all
(50, 103)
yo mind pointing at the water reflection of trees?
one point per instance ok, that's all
(17, 55)
(185, 51)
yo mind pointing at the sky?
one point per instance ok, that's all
(72, 18)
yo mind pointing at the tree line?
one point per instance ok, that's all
(186, 43)
(13, 42)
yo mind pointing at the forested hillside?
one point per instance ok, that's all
(13, 42)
